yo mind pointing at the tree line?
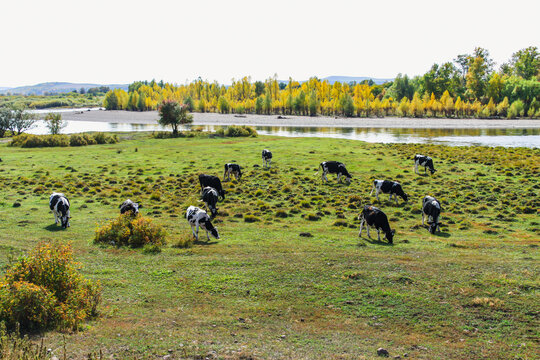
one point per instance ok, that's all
(468, 86)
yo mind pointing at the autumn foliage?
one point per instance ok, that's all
(45, 290)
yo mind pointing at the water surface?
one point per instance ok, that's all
(511, 137)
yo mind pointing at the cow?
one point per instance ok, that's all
(431, 208)
(334, 167)
(210, 198)
(388, 187)
(373, 216)
(199, 218)
(424, 161)
(59, 205)
(266, 158)
(212, 181)
(232, 169)
(128, 206)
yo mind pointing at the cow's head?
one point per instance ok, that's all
(65, 220)
(432, 170)
(214, 233)
(390, 236)
(207, 225)
(405, 197)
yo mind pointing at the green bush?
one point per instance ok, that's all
(127, 230)
(32, 141)
(45, 290)
(237, 131)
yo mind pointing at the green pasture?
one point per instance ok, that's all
(262, 290)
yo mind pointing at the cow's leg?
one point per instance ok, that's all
(338, 177)
(395, 196)
(207, 236)
(372, 189)
(55, 217)
(377, 194)
(270, 163)
(378, 235)
(416, 168)
(361, 226)
(423, 218)
(367, 227)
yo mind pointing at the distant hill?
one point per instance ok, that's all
(55, 88)
(346, 79)
(358, 79)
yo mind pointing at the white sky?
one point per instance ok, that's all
(121, 41)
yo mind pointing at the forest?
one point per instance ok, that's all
(468, 86)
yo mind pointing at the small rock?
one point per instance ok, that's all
(16, 204)
(382, 352)
(306, 234)
(283, 336)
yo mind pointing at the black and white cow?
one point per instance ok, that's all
(266, 157)
(129, 205)
(199, 218)
(375, 217)
(210, 198)
(232, 169)
(388, 187)
(424, 161)
(59, 205)
(335, 167)
(431, 208)
(212, 181)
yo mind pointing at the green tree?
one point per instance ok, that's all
(401, 88)
(173, 113)
(223, 105)
(19, 119)
(111, 101)
(313, 104)
(259, 105)
(259, 88)
(54, 123)
(526, 62)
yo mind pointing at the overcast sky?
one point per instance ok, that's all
(177, 41)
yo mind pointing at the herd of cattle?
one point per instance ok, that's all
(212, 191)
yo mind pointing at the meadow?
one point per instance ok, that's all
(263, 290)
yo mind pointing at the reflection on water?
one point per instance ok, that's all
(454, 137)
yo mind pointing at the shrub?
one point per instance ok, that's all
(128, 230)
(77, 140)
(102, 138)
(281, 214)
(45, 290)
(237, 131)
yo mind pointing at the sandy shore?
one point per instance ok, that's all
(150, 117)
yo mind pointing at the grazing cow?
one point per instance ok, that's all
(232, 169)
(431, 208)
(267, 158)
(199, 218)
(210, 199)
(388, 187)
(335, 167)
(129, 205)
(424, 161)
(59, 205)
(375, 217)
(212, 181)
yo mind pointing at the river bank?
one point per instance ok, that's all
(150, 117)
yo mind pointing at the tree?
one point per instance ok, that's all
(259, 88)
(20, 120)
(313, 104)
(223, 105)
(5, 119)
(526, 62)
(401, 88)
(82, 91)
(173, 113)
(54, 123)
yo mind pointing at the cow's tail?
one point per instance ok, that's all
(319, 168)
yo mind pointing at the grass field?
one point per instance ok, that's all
(263, 291)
